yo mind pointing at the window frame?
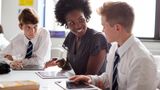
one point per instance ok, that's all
(157, 22)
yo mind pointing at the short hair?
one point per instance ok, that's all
(63, 7)
(28, 16)
(1, 29)
(118, 13)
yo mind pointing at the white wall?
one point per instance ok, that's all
(9, 17)
(10, 11)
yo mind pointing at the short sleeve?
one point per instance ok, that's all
(68, 41)
(98, 43)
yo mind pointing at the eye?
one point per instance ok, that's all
(81, 20)
(35, 27)
(70, 23)
(28, 27)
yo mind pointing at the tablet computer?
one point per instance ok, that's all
(51, 74)
(31, 67)
(69, 85)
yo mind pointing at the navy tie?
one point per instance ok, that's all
(29, 50)
(115, 72)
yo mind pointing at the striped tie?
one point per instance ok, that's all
(29, 50)
(115, 72)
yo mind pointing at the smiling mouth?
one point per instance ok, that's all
(79, 30)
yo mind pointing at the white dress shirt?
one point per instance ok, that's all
(136, 69)
(41, 48)
(3, 42)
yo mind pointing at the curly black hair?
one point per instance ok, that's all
(63, 7)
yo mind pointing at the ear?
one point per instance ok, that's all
(20, 26)
(118, 27)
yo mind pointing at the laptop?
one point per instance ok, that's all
(31, 67)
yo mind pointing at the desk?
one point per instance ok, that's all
(45, 84)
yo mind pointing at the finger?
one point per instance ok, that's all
(100, 84)
(72, 77)
(53, 59)
(76, 78)
(5, 56)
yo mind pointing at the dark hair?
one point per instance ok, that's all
(28, 16)
(118, 13)
(63, 7)
(1, 29)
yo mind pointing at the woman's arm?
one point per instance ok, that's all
(95, 62)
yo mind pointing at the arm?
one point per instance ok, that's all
(98, 51)
(6, 55)
(95, 62)
(43, 51)
(100, 81)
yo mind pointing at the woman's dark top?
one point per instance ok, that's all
(90, 44)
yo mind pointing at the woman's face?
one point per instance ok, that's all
(76, 22)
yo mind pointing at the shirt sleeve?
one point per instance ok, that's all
(98, 43)
(103, 77)
(43, 52)
(67, 42)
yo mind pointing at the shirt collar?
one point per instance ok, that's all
(126, 45)
(26, 40)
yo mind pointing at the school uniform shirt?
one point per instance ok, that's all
(41, 48)
(136, 69)
(3, 42)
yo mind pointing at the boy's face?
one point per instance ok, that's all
(110, 31)
(30, 30)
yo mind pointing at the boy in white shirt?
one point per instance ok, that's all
(30, 47)
(4, 41)
(133, 66)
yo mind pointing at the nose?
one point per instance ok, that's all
(32, 30)
(77, 25)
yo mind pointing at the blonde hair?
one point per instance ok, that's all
(118, 13)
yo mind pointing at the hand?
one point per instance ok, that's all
(100, 85)
(9, 57)
(51, 63)
(16, 65)
(61, 63)
(80, 78)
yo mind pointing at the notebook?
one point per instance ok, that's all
(68, 85)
